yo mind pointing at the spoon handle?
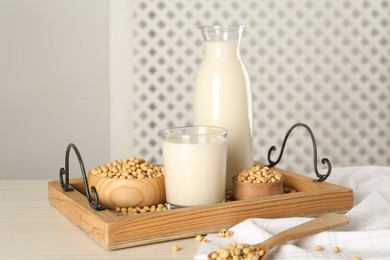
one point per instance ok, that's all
(317, 225)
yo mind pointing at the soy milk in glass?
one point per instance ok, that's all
(222, 94)
(194, 165)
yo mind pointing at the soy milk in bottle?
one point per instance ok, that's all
(222, 95)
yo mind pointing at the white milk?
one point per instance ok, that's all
(223, 98)
(195, 173)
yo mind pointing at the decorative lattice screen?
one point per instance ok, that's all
(323, 63)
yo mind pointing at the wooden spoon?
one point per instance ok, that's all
(317, 225)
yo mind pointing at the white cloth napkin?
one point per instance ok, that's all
(367, 236)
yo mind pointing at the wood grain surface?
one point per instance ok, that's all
(128, 193)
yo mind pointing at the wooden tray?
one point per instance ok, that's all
(114, 231)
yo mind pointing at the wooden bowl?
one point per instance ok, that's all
(247, 190)
(128, 193)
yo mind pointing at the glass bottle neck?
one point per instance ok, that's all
(222, 50)
(222, 41)
(222, 33)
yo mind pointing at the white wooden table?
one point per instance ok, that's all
(30, 228)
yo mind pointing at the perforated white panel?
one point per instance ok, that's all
(323, 63)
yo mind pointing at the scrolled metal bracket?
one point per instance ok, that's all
(64, 178)
(321, 177)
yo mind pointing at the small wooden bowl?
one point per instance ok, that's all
(247, 190)
(128, 193)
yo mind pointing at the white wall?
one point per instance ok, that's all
(120, 74)
(54, 78)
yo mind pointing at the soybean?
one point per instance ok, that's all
(258, 174)
(129, 169)
(198, 238)
(145, 209)
(238, 251)
(336, 249)
(225, 233)
(175, 248)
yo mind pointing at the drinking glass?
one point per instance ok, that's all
(194, 165)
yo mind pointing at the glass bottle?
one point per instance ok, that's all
(222, 94)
